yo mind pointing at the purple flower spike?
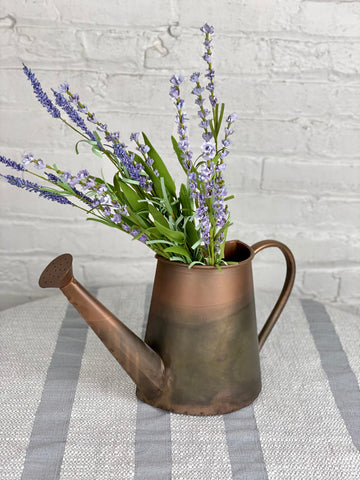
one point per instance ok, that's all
(83, 174)
(91, 118)
(74, 99)
(27, 158)
(34, 187)
(63, 88)
(73, 181)
(143, 149)
(73, 114)
(135, 137)
(195, 77)
(174, 92)
(231, 118)
(11, 164)
(207, 29)
(116, 218)
(143, 238)
(90, 183)
(177, 80)
(40, 164)
(40, 94)
(209, 150)
(112, 137)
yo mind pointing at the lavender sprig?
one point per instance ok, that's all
(40, 94)
(203, 112)
(74, 116)
(208, 30)
(34, 187)
(12, 164)
(180, 119)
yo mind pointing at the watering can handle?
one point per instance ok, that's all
(286, 290)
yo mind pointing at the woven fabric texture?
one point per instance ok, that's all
(69, 412)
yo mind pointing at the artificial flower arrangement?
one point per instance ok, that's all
(188, 226)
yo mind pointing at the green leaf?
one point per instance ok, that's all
(152, 242)
(165, 197)
(177, 259)
(179, 251)
(173, 235)
(155, 180)
(186, 201)
(159, 217)
(154, 232)
(196, 262)
(219, 120)
(192, 235)
(159, 165)
(97, 136)
(230, 197)
(132, 198)
(178, 153)
(196, 244)
(109, 224)
(96, 151)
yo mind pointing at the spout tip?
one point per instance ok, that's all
(58, 273)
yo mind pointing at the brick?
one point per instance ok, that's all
(255, 16)
(253, 54)
(264, 136)
(331, 19)
(315, 249)
(136, 13)
(304, 58)
(14, 274)
(350, 285)
(335, 140)
(321, 284)
(345, 57)
(243, 174)
(311, 176)
(74, 47)
(346, 101)
(36, 236)
(107, 273)
(288, 97)
(271, 209)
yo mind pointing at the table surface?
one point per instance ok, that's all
(68, 411)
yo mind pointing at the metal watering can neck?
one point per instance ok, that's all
(140, 362)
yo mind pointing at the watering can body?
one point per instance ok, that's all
(201, 350)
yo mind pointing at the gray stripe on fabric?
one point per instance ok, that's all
(153, 435)
(334, 361)
(46, 447)
(243, 440)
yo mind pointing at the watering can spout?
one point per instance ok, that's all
(140, 362)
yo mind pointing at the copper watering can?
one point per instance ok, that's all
(201, 349)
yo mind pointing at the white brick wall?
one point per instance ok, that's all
(289, 68)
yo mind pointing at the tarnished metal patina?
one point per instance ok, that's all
(201, 349)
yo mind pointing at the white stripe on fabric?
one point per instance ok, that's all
(152, 438)
(343, 382)
(28, 339)
(199, 450)
(101, 438)
(48, 437)
(301, 430)
(347, 326)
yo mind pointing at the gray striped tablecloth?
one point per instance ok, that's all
(69, 412)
